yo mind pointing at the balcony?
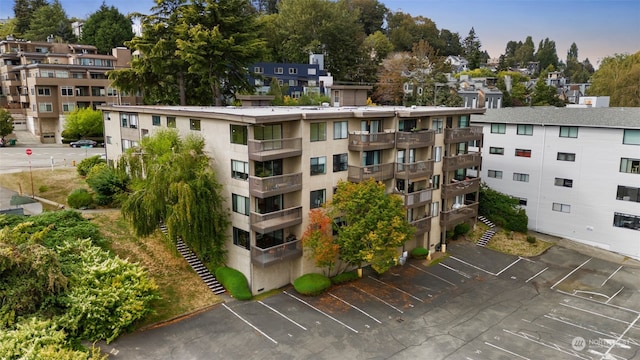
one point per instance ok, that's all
(413, 140)
(276, 254)
(460, 188)
(416, 170)
(458, 135)
(418, 198)
(462, 161)
(449, 219)
(265, 150)
(369, 142)
(379, 172)
(263, 187)
(422, 225)
(264, 223)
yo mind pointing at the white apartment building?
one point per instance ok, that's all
(277, 163)
(576, 171)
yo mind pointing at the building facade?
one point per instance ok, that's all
(277, 163)
(575, 170)
(41, 82)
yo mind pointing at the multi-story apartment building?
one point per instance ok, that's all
(41, 82)
(576, 171)
(277, 163)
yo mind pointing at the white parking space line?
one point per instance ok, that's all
(434, 275)
(396, 288)
(459, 272)
(248, 323)
(610, 276)
(507, 351)
(605, 355)
(508, 266)
(322, 312)
(538, 273)
(599, 302)
(587, 328)
(595, 313)
(356, 308)
(473, 266)
(553, 346)
(281, 314)
(572, 271)
(377, 298)
(614, 295)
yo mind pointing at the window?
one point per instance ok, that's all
(338, 222)
(318, 131)
(239, 134)
(496, 174)
(278, 70)
(293, 71)
(44, 91)
(318, 164)
(171, 121)
(627, 221)
(194, 124)
(311, 71)
(566, 156)
(564, 182)
(628, 193)
(523, 153)
(317, 198)
(340, 162)
(240, 204)
(241, 238)
(66, 90)
(435, 209)
(438, 153)
(340, 130)
(496, 150)
(522, 201)
(631, 137)
(437, 125)
(631, 166)
(525, 129)
(133, 121)
(435, 182)
(268, 168)
(258, 70)
(520, 177)
(293, 82)
(239, 170)
(109, 139)
(268, 132)
(45, 107)
(464, 121)
(112, 92)
(68, 107)
(498, 128)
(561, 207)
(569, 131)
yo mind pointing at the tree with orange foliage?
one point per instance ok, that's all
(319, 241)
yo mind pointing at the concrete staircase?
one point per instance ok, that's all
(487, 234)
(197, 265)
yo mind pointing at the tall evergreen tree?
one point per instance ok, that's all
(106, 29)
(23, 11)
(472, 53)
(50, 20)
(547, 54)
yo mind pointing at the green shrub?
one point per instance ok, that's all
(107, 183)
(235, 282)
(419, 253)
(85, 165)
(531, 239)
(345, 277)
(311, 284)
(43, 188)
(461, 229)
(80, 199)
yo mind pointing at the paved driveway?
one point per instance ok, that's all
(476, 304)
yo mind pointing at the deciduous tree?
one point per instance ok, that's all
(6, 123)
(82, 123)
(618, 77)
(319, 241)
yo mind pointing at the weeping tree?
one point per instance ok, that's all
(173, 182)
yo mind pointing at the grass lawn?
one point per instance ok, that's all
(180, 288)
(510, 242)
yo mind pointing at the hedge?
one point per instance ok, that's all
(235, 282)
(311, 284)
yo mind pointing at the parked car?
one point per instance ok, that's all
(81, 143)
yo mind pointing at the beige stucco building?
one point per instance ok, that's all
(277, 163)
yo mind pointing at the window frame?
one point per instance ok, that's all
(500, 128)
(342, 163)
(496, 150)
(313, 195)
(524, 129)
(340, 130)
(521, 177)
(497, 174)
(316, 163)
(155, 120)
(563, 156)
(237, 205)
(195, 124)
(235, 170)
(171, 122)
(563, 182)
(242, 134)
(559, 207)
(523, 153)
(633, 138)
(246, 243)
(567, 132)
(318, 131)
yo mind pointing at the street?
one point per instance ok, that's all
(15, 158)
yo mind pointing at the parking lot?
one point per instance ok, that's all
(476, 304)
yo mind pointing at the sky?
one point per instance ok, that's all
(600, 28)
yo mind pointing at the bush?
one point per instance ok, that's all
(419, 253)
(87, 164)
(345, 277)
(80, 199)
(311, 284)
(531, 239)
(107, 183)
(235, 282)
(43, 188)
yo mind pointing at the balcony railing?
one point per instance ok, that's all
(369, 142)
(264, 150)
(449, 219)
(462, 161)
(458, 135)
(420, 169)
(379, 172)
(418, 198)
(276, 220)
(264, 187)
(414, 140)
(422, 225)
(460, 188)
(276, 254)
